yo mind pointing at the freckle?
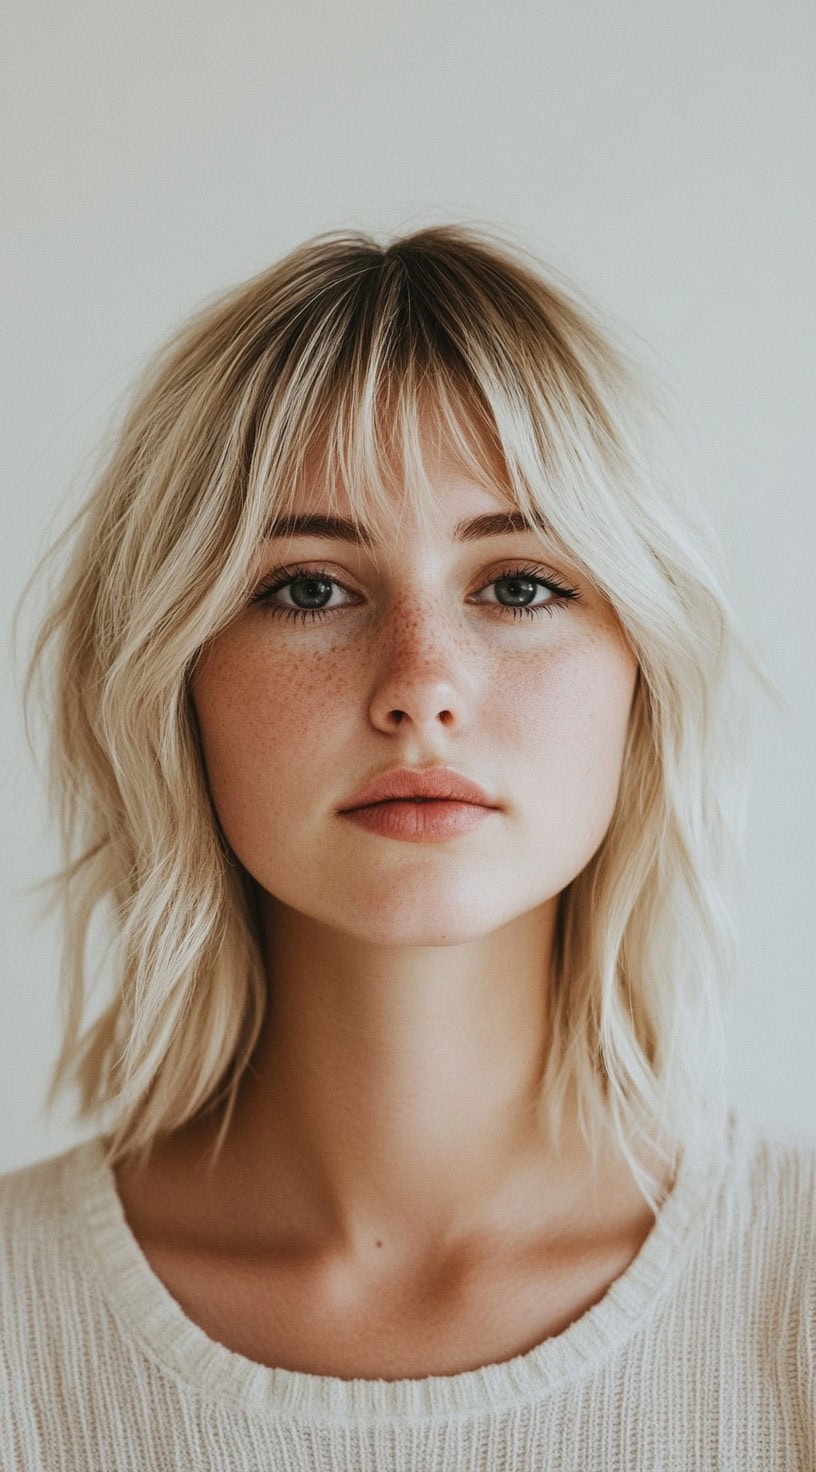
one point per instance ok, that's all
(379, 1244)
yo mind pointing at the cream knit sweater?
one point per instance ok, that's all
(701, 1355)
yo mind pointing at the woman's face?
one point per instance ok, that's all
(418, 662)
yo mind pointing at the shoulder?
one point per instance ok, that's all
(49, 1310)
(749, 1204)
(36, 1228)
(773, 1172)
(29, 1197)
(765, 1257)
(767, 1196)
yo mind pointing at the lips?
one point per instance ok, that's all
(438, 784)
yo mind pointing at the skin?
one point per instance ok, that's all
(383, 1163)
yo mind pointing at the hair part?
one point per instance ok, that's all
(331, 358)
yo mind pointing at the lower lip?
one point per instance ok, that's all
(419, 822)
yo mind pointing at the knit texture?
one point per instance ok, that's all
(701, 1354)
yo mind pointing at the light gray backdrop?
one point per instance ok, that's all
(659, 154)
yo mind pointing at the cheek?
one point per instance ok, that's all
(567, 724)
(268, 731)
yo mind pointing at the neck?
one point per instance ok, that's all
(393, 1088)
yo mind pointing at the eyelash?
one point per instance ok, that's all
(285, 575)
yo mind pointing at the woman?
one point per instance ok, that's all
(392, 698)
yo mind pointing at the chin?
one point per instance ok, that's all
(417, 919)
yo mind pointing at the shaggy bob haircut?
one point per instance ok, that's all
(334, 350)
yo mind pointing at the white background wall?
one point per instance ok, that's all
(659, 154)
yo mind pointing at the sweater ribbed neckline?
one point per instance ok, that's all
(147, 1311)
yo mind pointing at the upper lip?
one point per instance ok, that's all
(406, 782)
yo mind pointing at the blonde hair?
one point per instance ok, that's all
(335, 348)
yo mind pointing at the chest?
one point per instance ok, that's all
(322, 1320)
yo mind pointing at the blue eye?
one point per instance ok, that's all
(318, 584)
(520, 583)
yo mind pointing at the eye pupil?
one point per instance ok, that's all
(515, 584)
(312, 584)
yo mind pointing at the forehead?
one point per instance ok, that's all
(440, 481)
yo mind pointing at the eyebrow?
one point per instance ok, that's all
(493, 524)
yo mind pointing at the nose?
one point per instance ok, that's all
(421, 679)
